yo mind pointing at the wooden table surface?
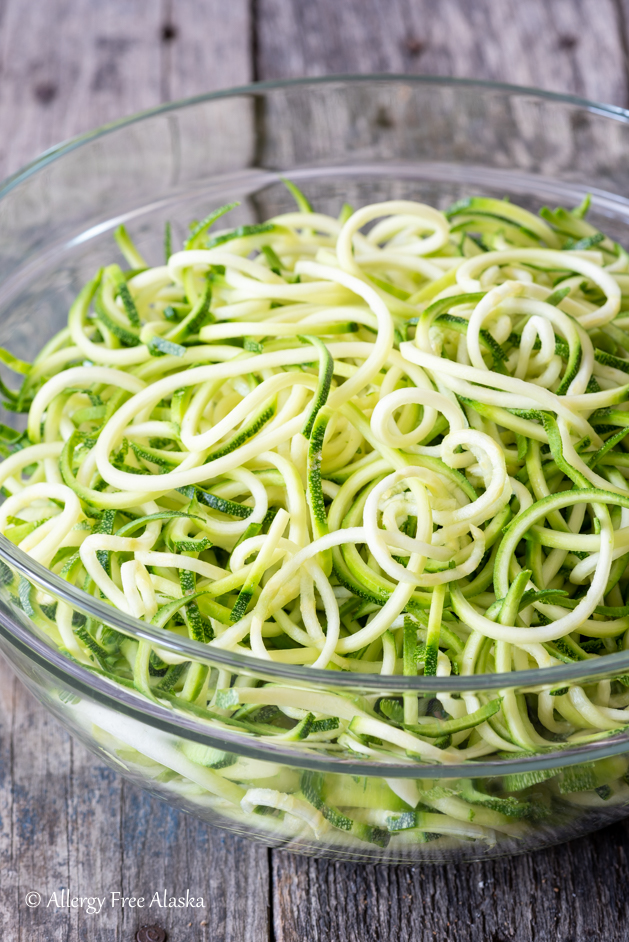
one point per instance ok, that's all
(69, 822)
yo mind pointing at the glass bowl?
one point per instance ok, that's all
(354, 140)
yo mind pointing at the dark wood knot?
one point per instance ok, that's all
(45, 92)
(169, 32)
(414, 45)
(150, 934)
(567, 42)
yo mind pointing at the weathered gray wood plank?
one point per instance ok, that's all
(104, 61)
(210, 46)
(67, 821)
(575, 892)
(567, 45)
(68, 66)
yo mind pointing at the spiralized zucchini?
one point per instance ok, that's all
(390, 443)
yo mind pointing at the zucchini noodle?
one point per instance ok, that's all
(391, 443)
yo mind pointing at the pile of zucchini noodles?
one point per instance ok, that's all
(391, 442)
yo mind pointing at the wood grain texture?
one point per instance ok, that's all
(209, 47)
(70, 65)
(574, 893)
(67, 66)
(567, 45)
(69, 822)
(66, 820)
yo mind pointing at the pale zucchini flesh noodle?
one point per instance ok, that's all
(391, 443)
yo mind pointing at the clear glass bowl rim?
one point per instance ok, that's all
(178, 724)
(48, 581)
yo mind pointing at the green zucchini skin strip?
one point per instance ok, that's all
(326, 371)
(302, 201)
(231, 507)
(459, 324)
(192, 323)
(518, 527)
(263, 415)
(316, 503)
(166, 612)
(445, 727)
(202, 228)
(128, 248)
(502, 210)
